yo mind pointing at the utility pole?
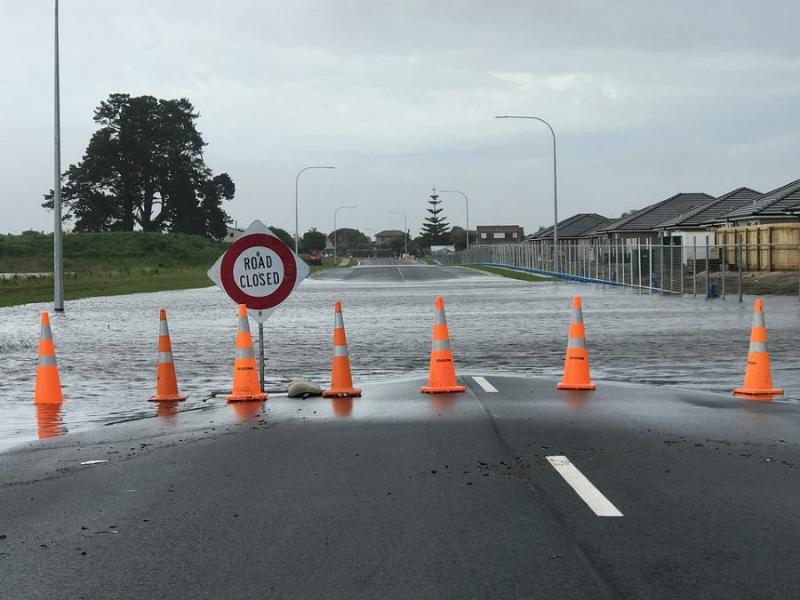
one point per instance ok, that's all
(58, 256)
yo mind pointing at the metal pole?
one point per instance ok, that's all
(739, 261)
(405, 231)
(724, 256)
(261, 353)
(661, 262)
(296, 223)
(694, 266)
(639, 260)
(671, 265)
(650, 265)
(466, 200)
(555, 181)
(708, 268)
(683, 255)
(58, 256)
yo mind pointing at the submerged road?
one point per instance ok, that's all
(382, 270)
(509, 490)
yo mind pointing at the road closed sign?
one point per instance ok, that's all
(259, 271)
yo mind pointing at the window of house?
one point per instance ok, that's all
(499, 235)
(483, 235)
(514, 235)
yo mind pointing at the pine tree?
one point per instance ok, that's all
(435, 228)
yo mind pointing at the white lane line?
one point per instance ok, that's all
(485, 385)
(601, 505)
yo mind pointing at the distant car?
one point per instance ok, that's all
(315, 258)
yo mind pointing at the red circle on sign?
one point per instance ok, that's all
(289, 271)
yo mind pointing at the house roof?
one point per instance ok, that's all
(651, 217)
(389, 233)
(772, 203)
(705, 214)
(580, 225)
(499, 227)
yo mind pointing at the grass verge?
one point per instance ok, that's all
(510, 273)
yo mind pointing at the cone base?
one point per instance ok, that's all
(167, 398)
(342, 393)
(447, 389)
(258, 397)
(54, 402)
(756, 394)
(575, 386)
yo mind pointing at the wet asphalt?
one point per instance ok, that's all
(403, 495)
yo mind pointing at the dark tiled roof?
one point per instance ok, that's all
(770, 204)
(651, 217)
(580, 225)
(708, 213)
(792, 210)
(389, 233)
(499, 228)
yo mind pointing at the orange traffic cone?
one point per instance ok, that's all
(341, 379)
(758, 375)
(166, 381)
(576, 361)
(48, 383)
(442, 377)
(245, 377)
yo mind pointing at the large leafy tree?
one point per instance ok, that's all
(144, 168)
(313, 240)
(435, 227)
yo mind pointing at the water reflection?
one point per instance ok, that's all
(246, 411)
(575, 399)
(167, 411)
(48, 420)
(442, 403)
(342, 407)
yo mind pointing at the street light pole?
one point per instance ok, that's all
(465, 200)
(335, 212)
(405, 231)
(555, 185)
(296, 224)
(58, 256)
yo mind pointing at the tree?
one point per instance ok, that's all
(313, 240)
(347, 239)
(144, 168)
(284, 236)
(435, 228)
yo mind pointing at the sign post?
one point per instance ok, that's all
(259, 271)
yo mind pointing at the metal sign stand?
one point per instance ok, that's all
(261, 354)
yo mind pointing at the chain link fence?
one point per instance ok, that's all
(709, 270)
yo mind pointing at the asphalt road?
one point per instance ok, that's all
(499, 492)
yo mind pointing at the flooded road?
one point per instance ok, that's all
(107, 346)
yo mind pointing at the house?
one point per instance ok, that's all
(645, 224)
(443, 249)
(232, 234)
(383, 239)
(695, 228)
(577, 229)
(766, 230)
(500, 234)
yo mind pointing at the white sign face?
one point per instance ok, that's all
(259, 271)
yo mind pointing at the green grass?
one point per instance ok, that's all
(510, 273)
(327, 263)
(429, 261)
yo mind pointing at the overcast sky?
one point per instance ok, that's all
(647, 99)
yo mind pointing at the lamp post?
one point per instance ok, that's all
(555, 185)
(335, 212)
(405, 231)
(465, 200)
(296, 224)
(58, 256)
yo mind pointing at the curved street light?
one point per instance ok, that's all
(405, 231)
(335, 212)
(555, 184)
(465, 200)
(296, 184)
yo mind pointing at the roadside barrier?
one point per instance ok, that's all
(166, 380)
(758, 374)
(442, 376)
(341, 378)
(576, 361)
(47, 389)
(246, 387)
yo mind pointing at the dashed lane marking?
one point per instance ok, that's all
(600, 505)
(485, 385)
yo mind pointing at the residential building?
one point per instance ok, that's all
(577, 229)
(384, 238)
(499, 234)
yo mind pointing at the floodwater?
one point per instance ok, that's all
(107, 346)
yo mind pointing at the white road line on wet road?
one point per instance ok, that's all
(403, 277)
(601, 505)
(485, 385)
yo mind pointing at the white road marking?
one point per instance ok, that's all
(94, 462)
(601, 505)
(485, 385)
